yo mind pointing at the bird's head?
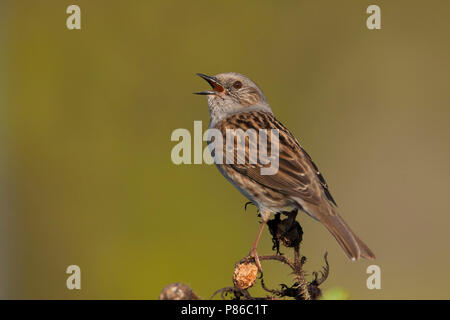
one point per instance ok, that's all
(232, 88)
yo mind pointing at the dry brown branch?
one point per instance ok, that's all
(286, 232)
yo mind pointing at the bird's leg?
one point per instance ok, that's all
(253, 253)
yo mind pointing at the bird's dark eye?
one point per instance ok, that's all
(237, 85)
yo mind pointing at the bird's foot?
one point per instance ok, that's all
(246, 204)
(254, 254)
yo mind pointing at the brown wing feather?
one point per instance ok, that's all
(297, 174)
(297, 177)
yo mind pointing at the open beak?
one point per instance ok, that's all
(215, 85)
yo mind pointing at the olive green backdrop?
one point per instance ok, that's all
(86, 118)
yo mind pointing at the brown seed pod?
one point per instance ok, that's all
(177, 291)
(245, 275)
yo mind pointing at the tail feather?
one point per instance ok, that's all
(366, 253)
(353, 247)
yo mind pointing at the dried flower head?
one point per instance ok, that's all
(245, 275)
(178, 291)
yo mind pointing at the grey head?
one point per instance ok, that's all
(232, 93)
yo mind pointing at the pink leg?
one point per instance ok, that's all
(253, 253)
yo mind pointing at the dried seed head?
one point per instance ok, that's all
(178, 291)
(245, 275)
(287, 231)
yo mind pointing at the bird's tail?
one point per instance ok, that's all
(353, 247)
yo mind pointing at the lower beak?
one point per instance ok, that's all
(215, 84)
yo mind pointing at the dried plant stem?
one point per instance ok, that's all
(287, 232)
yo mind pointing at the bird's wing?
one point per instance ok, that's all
(297, 175)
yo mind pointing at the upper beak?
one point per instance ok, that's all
(215, 84)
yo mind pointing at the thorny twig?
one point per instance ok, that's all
(289, 233)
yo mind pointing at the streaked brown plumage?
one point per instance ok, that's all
(237, 103)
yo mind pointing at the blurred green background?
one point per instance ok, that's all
(86, 118)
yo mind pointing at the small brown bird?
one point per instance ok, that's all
(236, 102)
